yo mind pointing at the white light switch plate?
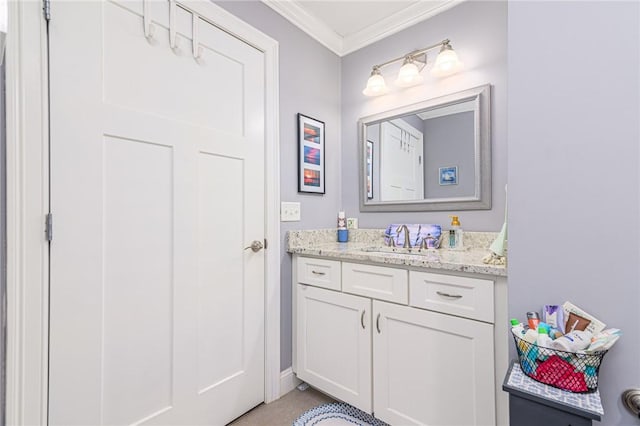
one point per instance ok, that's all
(289, 212)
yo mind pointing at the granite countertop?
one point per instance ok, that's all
(364, 244)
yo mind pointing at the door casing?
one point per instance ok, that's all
(28, 203)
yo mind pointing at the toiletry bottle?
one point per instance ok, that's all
(531, 336)
(543, 339)
(574, 341)
(455, 234)
(343, 232)
(517, 328)
(533, 319)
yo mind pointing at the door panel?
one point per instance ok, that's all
(122, 44)
(157, 169)
(219, 321)
(137, 382)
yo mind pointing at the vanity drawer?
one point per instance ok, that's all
(377, 282)
(319, 272)
(461, 296)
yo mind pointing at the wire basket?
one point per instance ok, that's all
(573, 372)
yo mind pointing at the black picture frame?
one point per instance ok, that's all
(311, 155)
(369, 170)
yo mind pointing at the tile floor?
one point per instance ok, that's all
(283, 411)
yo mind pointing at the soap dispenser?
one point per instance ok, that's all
(455, 234)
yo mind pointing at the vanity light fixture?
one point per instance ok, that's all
(413, 63)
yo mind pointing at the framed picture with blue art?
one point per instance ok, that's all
(448, 175)
(310, 155)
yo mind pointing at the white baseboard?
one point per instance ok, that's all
(288, 381)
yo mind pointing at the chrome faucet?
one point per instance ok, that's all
(429, 242)
(423, 244)
(390, 242)
(407, 242)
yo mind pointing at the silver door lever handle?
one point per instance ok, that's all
(256, 246)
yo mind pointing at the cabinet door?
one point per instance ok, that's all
(431, 368)
(334, 344)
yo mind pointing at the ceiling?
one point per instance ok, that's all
(344, 26)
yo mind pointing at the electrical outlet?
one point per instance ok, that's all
(289, 212)
(352, 223)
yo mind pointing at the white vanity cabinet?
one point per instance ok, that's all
(413, 347)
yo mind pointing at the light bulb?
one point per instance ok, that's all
(375, 85)
(409, 75)
(446, 63)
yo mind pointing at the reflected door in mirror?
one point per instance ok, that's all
(401, 174)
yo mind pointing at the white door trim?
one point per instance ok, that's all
(28, 203)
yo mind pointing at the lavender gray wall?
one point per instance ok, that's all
(478, 32)
(414, 121)
(309, 84)
(448, 141)
(574, 157)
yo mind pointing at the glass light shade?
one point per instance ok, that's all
(446, 63)
(375, 85)
(409, 75)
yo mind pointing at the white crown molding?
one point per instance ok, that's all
(392, 24)
(325, 35)
(311, 25)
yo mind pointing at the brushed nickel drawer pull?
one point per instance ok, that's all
(318, 273)
(362, 318)
(452, 296)
(378, 323)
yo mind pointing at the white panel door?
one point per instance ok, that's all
(334, 344)
(431, 369)
(157, 171)
(401, 162)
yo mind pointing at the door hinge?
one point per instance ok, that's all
(46, 9)
(265, 244)
(48, 227)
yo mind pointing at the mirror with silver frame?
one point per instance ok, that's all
(434, 155)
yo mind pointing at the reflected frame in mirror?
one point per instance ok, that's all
(481, 197)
